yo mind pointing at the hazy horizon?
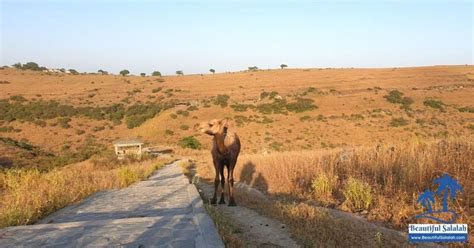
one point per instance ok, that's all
(194, 36)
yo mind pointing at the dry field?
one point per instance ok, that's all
(366, 141)
(29, 195)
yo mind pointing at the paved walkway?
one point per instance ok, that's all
(164, 211)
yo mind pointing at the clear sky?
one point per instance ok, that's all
(194, 36)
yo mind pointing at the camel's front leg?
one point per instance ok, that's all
(216, 183)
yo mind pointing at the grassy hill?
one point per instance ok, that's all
(289, 109)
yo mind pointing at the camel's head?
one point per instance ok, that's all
(212, 127)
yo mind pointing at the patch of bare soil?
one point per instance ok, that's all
(254, 229)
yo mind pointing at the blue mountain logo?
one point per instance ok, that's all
(448, 188)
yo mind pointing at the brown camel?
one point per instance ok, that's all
(225, 150)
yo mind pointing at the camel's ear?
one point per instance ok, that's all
(225, 123)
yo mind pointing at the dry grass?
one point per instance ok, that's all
(395, 175)
(29, 195)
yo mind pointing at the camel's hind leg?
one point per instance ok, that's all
(230, 180)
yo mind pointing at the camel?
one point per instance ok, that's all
(225, 150)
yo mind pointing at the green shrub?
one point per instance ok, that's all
(192, 108)
(139, 113)
(40, 123)
(6, 129)
(266, 120)
(156, 90)
(183, 113)
(358, 194)
(190, 142)
(64, 122)
(276, 107)
(221, 100)
(305, 118)
(323, 185)
(396, 97)
(471, 127)
(156, 74)
(240, 120)
(184, 127)
(301, 105)
(276, 146)
(169, 132)
(466, 109)
(436, 104)
(397, 122)
(126, 176)
(240, 107)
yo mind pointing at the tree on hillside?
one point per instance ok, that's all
(142, 74)
(156, 74)
(73, 72)
(180, 73)
(31, 66)
(124, 72)
(213, 71)
(283, 66)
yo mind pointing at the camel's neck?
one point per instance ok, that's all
(220, 142)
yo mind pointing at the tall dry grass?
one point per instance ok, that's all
(27, 195)
(394, 175)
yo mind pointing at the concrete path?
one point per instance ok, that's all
(163, 211)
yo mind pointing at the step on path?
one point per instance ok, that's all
(163, 211)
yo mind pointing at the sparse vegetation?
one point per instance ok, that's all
(397, 97)
(156, 90)
(466, 109)
(398, 122)
(138, 114)
(221, 100)
(190, 142)
(436, 104)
